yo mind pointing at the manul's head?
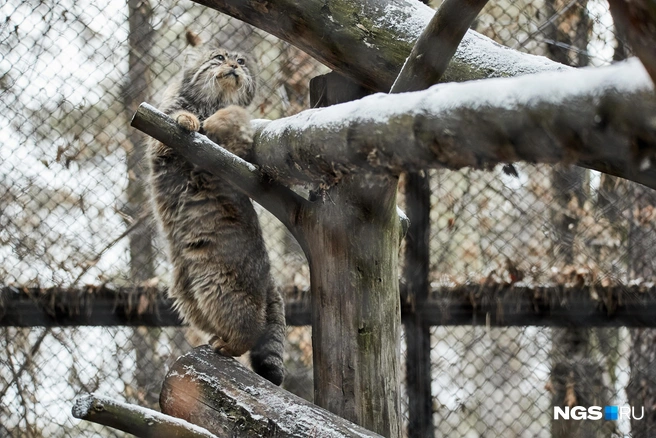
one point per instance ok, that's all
(216, 76)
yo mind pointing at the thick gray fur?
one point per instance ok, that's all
(221, 272)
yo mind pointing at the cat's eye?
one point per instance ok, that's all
(220, 57)
(241, 61)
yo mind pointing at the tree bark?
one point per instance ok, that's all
(222, 396)
(141, 422)
(604, 123)
(356, 310)
(137, 90)
(368, 42)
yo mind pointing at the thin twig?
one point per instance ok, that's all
(28, 359)
(134, 225)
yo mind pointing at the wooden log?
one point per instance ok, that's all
(221, 395)
(605, 123)
(496, 305)
(139, 421)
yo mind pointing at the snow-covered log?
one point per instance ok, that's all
(600, 118)
(368, 41)
(139, 421)
(219, 394)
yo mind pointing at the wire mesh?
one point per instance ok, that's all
(74, 211)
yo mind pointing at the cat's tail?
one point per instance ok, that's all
(266, 355)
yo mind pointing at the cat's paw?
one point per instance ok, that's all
(187, 120)
(231, 128)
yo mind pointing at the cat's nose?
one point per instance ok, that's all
(233, 64)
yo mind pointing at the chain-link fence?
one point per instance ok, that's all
(74, 212)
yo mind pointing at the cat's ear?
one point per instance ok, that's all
(193, 39)
(193, 52)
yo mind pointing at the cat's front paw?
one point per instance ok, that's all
(231, 128)
(187, 120)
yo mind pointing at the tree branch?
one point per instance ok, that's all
(221, 395)
(602, 119)
(369, 41)
(437, 44)
(198, 149)
(139, 421)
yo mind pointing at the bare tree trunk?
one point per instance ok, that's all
(356, 309)
(149, 370)
(137, 90)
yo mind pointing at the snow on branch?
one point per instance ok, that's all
(437, 44)
(600, 118)
(369, 41)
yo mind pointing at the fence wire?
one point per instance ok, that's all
(74, 211)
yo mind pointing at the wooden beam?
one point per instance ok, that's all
(549, 306)
(352, 253)
(496, 305)
(85, 306)
(104, 307)
(414, 296)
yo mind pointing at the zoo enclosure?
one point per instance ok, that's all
(74, 217)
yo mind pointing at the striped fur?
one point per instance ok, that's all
(221, 273)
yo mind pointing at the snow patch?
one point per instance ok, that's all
(407, 21)
(82, 406)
